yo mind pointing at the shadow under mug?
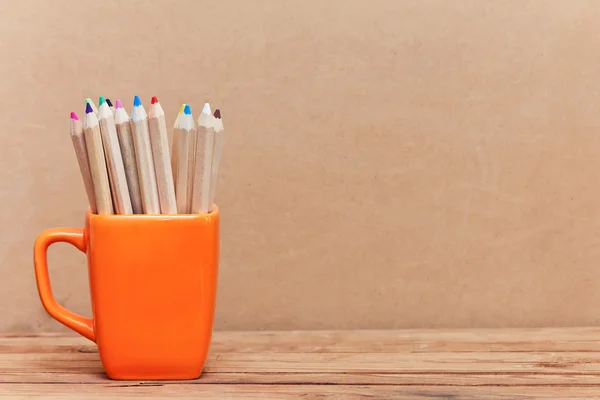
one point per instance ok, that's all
(153, 284)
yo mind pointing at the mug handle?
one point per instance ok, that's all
(74, 236)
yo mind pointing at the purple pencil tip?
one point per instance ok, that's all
(88, 108)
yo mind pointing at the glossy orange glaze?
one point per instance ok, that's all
(153, 286)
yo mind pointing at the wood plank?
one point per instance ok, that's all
(508, 363)
(572, 362)
(249, 392)
(444, 340)
(287, 378)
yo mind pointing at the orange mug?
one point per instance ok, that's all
(153, 284)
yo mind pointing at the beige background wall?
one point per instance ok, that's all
(389, 163)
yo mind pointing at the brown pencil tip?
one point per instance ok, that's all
(217, 113)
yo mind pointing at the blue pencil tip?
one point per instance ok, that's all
(187, 110)
(136, 101)
(88, 108)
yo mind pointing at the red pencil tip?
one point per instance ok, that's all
(74, 116)
(154, 99)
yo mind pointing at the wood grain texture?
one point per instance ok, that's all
(78, 139)
(204, 144)
(219, 141)
(145, 166)
(99, 172)
(162, 163)
(114, 162)
(193, 146)
(181, 150)
(129, 161)
(413, 364)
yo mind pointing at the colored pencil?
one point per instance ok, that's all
(93, 142)
(175, 146)
(184, 128)
(110, 105)
(91, 103)
(192, 147)
(203, 162)
(218, 149)
(78, 139)
(114, 160)
(143, 155)
(159, 142)
(128, 154)
(127, 166)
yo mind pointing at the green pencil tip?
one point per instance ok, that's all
(101, 101)
(88, 100)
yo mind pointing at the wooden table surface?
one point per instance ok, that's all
(408, 364)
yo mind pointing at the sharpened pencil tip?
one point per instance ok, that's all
(88, 100)
(136, 101)
(187, 110)
(88, 108)
(109, 102)
(182, 108)
(154, 100)
(74, 116)
(118, 104)
(101, 100)
(217, 113)
(206, 109)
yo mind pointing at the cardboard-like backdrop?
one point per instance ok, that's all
(388, 163)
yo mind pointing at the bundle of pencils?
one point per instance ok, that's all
(126, 164)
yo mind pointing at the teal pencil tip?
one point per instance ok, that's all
(101, 101)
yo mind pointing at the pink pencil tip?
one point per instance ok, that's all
(74, 116)
(118, 104)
